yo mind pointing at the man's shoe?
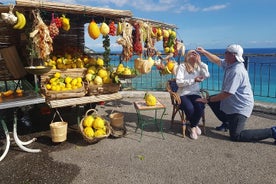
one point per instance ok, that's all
(222, 127)
(274, 132)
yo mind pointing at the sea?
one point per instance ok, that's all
(261, 68)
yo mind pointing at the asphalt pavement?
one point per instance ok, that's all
(212, 159)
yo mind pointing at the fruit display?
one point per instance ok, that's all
(98, 74)
(43, 43)
(63, 83)
(119, 29)
(169, 41)
(8, 93)
(137, 42)
(11, 93)
(112, 29)
(18, 21)
(93, 127)
(21, 21)
(65, 23)
(67, 61)
(150, 99)
(135, 37)
(122, 70)
(93, 30)
(104, 29)
(54, 25)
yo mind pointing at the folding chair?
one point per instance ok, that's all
(176, 103)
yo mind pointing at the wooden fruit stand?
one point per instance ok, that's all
(71, 40)
(33, 33)
(74, 38)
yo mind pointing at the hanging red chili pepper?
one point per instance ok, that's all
(112, 29)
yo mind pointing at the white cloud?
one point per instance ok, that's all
(188, 7)
(215, 7)
(151, 6)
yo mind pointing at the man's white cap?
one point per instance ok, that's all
(237, 50)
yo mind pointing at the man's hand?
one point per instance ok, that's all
(203, 100)
(199, 79)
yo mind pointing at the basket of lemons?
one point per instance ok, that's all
(93, 127)
(125, 72)
(60, 86)
(101, 81)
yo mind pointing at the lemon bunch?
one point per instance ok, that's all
(150, 99)
(99, 74)
(94, 126)
(122, 70)
(169, 39)
(66, 62)
(59, 83)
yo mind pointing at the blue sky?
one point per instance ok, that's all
(211, 24)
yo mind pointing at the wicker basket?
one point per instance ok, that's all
(58, 129)
(94, 139)
(102, 89)
(143, 65)
(55, 95)
(121, 76)
(76, 72)
(117, 120)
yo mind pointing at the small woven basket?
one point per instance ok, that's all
(94, 139)
(143, 65)
(58, 129)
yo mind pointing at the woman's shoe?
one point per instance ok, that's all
(193, 133)
(222, 127)
(198, 130)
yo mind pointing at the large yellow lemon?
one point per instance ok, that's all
(88, 131)
(100, 61)
(99, 132)
(98, 123)
(170, 65)
(102, 73)
(88, 121)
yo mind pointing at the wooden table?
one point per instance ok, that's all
(83, 100)
(141, 106)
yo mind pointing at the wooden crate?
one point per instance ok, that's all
(55, 95)
(102, 89)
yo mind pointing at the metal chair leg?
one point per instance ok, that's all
(183, 130)
(203, 124)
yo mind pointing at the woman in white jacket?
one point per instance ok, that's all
(188, 77)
